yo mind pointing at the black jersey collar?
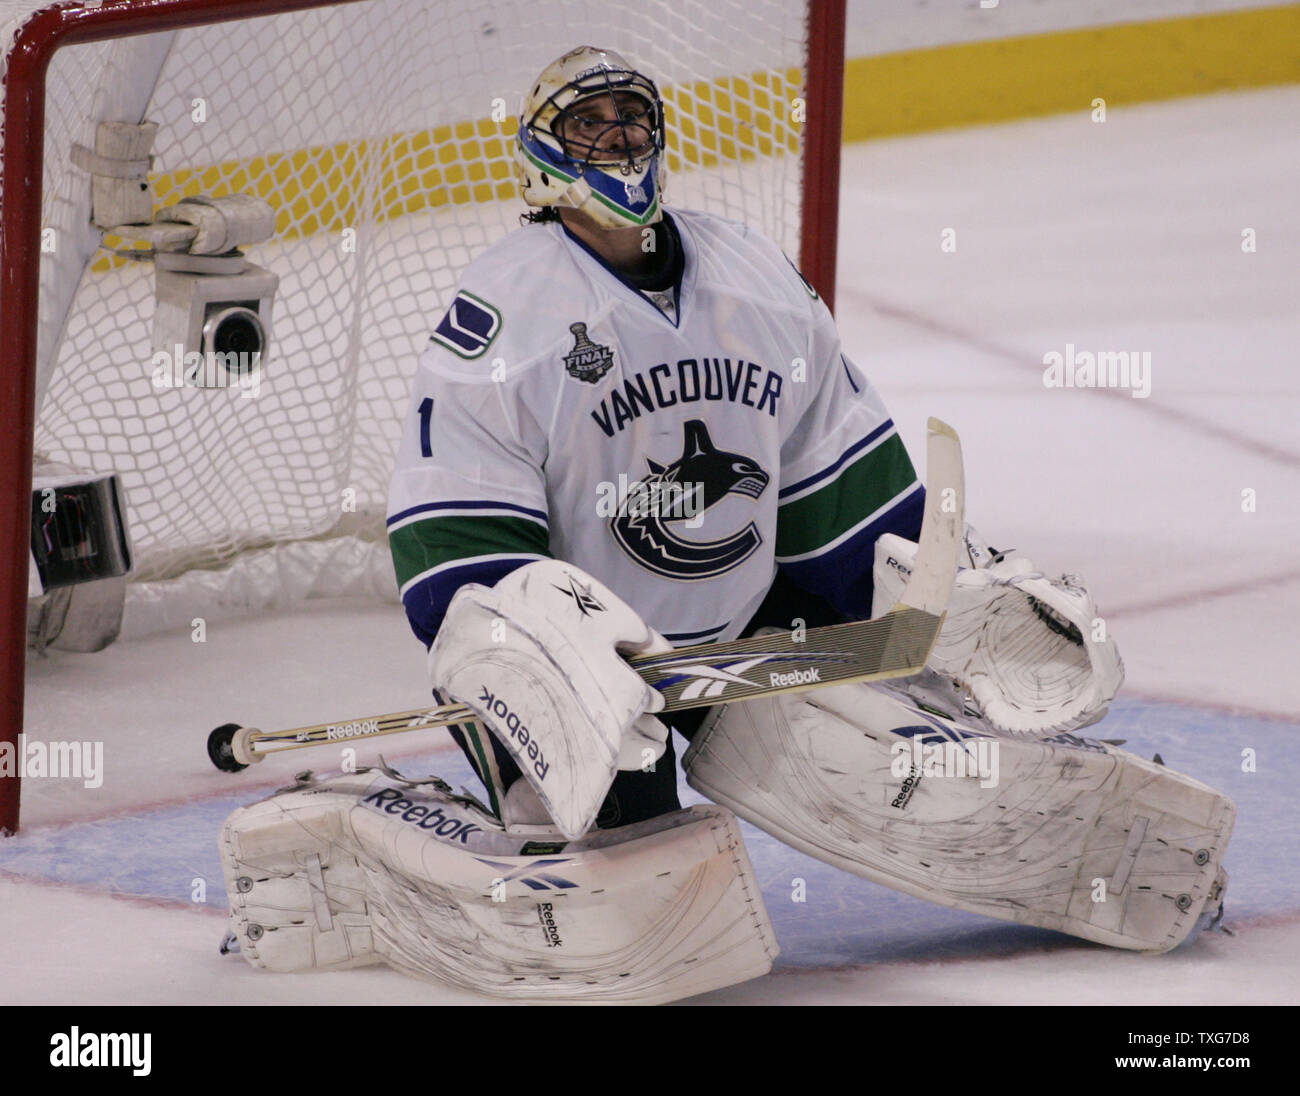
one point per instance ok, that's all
(675, 277)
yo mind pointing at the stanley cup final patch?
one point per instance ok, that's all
(588, 361)
(469, 326)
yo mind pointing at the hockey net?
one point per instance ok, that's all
(380, 131)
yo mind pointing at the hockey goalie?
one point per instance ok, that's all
(611, 341)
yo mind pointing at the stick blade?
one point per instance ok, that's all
(943, 525)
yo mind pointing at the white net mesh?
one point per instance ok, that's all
(381, 134)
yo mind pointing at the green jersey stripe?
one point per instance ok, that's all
(435, 541)
(815, 520)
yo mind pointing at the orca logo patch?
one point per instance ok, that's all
(469, 326)
(674, 493)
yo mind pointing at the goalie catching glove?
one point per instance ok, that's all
(1018, 651)
(537, 658)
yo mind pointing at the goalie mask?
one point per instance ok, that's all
(591, 137)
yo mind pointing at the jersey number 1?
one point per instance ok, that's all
(426, 416)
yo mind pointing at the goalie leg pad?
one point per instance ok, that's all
(361, 868)
(1066, 834)
(297, 888)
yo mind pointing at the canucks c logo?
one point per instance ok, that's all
(700, 478)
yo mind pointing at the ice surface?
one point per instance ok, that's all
(1123, 235)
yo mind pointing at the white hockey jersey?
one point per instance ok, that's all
(680, 456)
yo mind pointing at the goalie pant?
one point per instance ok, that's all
(1067, 834)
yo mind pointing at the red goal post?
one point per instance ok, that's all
(35, 41)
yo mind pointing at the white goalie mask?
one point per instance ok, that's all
(591, 137)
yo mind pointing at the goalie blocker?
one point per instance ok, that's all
(368, 868)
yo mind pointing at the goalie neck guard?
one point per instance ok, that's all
(591, 138)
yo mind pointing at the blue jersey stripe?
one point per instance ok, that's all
(466, 504)
(426, 601)
(839, 463)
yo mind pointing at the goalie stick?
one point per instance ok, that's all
(896, 644)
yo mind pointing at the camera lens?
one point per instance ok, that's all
(237, 337)
(240, 333)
